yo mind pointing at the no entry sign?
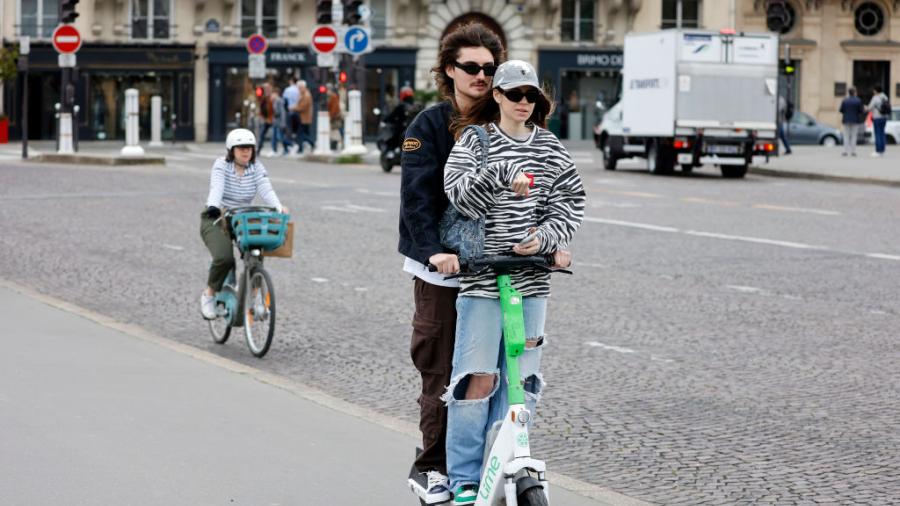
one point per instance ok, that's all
(324, 39)
(66, 39)
(257, 44)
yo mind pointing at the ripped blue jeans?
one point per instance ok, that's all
(479, 350)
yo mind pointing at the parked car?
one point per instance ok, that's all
(891, 128)
(804, 129)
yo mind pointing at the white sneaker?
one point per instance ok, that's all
(875, 154)
(268, 154)
(208, 306)
(438, 490)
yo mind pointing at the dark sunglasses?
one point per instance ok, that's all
(473, 68)
(515, 95)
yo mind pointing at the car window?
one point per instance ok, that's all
(801, 118)
(895, 115)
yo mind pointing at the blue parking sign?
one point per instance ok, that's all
(356, 40)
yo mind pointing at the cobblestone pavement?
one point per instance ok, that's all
(722, 342)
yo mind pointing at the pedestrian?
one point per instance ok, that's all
(785, 113)
(279, 124)
(291, 96)
(265, 115)
(303, 110)
(532, 197)
(467, 59)
(335, 117)
(236, 179)
(880, 107)
(853, 114)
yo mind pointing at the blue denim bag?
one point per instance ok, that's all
(459, 232)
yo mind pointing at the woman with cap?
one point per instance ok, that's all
(236, 179)
(533, 202)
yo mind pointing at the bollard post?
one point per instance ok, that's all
(323, 137)
(353, 144)
(131, 124)
(155, 121)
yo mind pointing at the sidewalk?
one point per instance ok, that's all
(92, 414)
(820, 162)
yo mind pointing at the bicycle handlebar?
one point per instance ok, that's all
(249, 209)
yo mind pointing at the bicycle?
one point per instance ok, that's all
(507, 453)
(255, 230)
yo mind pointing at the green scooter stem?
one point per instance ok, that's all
(513, 336)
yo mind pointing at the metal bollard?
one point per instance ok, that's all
(131, 124)
(156, 121)
(353, 144)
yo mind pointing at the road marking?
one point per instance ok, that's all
(771, 207)
(643, 226)
(361, 289)
(644, 195)
(883, 256)
(173, 247)
(699, 200)
(340, 209)
(587, 264)
(380, 194)
(617, 205)
(367, 209)
(744, 289)
(319, 280)
(877, 311)
(618, 349)
(758, 240)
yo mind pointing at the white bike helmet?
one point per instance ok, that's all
(240, 137)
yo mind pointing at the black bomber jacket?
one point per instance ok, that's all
(426, 147)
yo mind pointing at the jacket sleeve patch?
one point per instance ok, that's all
(411, 144)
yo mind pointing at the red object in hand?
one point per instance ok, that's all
(531, 179)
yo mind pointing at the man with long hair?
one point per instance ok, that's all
(467, 60)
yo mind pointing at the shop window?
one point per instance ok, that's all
(378, 21)
(869, 18)
(781, 17)
(259, 16)
(38, 18)
(150, 19)
(578, 20)
(690, 13)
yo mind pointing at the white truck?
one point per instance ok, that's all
(694, 97)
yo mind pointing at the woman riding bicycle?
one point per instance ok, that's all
(235, 180)
(533, 202)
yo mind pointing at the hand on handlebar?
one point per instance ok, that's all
(561, 259)
(446, 263)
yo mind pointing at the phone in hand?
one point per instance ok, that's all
(528, 238)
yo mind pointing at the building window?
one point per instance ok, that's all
(869, 18)
(578, 21)
(150, 19)
(690, 14)
(259, 16)
(38, 18)
(781, 17)
(378, 21)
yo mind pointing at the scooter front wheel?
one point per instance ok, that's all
(533, 497)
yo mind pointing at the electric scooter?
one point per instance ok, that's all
(509, 472)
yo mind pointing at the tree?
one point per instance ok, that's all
(8, 57)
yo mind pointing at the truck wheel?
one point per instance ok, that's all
(609, 158)
(687, 168)
(734, 171)
(660, 159)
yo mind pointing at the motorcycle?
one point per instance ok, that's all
(388, 142)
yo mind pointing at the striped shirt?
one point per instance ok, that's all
(227, 189)
(555, 205)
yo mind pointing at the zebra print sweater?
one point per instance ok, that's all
(555, 205)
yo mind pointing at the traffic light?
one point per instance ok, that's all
(351, 12)
(342, 77)
(259, 91)
(323, 12)
(789, 69)
(776, 15)
(67, 12)
(322, 89)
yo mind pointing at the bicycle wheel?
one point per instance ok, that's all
(220, 330)
(259, 311)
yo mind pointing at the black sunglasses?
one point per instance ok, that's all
(515, 95)
(473, 68)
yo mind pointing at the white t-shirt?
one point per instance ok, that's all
(421, 271)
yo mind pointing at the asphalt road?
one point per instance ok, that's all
(722, 341)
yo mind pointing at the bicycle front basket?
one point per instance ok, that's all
(265, 230)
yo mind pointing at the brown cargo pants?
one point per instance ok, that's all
(434, 331)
